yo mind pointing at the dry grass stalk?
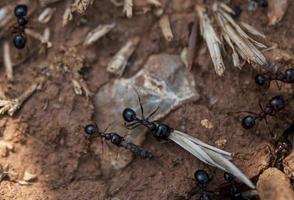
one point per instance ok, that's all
(46, 15)
(67, 16)
(240, 43)
(128, 8)
(97, 33)
(7, 61)
(10, 106)
(211, 39)
(119, 62)
(81, 6)
(6, 15)
(44, 39)
(166, 28)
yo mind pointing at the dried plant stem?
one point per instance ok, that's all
(11, 106)
(166, 28)
(128, 8)
(97, 33)
(212, 40)
(119, 62)
(7, 61)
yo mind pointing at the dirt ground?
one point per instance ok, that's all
(47, 132)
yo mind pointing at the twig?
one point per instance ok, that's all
(7, 61)
(46, 15)
(11, 106)
(81, 6)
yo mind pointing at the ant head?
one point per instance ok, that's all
(21, 10)
(129, 115)
(201, 177)
(228, 177)
(19, 41)
(91, 129)
(248, 122)
(261, 79)
(277, 103)
(284, 147)
(289, 75)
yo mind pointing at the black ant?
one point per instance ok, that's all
(274, 105)
(234, 191)
(20, 38)
(283, 148)
(92, 129)
(265, 79)
(158, 130)
(202, 180)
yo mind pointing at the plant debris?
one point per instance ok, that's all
(46, 15)
(212, 40)
(10, 106)
(128, 8)
(7, 61)
(276, 11)
(81, 6)
(119, 62)
(97, 33)
(165, 28)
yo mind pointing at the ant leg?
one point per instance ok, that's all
(271, 132)
(152, 113)
(140, 103)
(243, 111)
(133, 127)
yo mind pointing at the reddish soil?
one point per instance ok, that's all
(47, 133)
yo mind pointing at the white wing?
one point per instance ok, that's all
(209, 154)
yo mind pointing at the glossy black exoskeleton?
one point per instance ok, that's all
(275, 105)
(20, 39)
(234, 191)
(264, 80)
(92, 129)
(202, 179)
(159, 130)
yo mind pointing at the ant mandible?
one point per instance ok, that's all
(20, 38)
(265, 79)
(92, 129)
(274, 105)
